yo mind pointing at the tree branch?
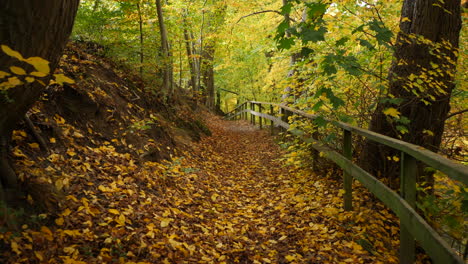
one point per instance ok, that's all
(260, 12)
(456, 113)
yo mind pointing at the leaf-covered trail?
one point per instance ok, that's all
(230, 198)
(257, 210)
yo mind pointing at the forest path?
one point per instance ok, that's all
(233, 197)
(255, 209)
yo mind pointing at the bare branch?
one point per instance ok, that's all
(456, 113)
(259, 12)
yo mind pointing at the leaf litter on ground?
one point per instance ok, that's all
(228, 199)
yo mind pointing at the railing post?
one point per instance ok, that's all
(407, 192)
(253, 116)
(246, 115)
(347, 179)
(271, 121)
(314, 151)
(284, 117)
(243, 113)
(260, 121)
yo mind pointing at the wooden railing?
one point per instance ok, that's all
(412, 225)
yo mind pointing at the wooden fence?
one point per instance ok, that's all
(412, 225)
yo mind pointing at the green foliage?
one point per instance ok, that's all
(446, 208)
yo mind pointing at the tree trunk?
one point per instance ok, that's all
(208, 75)
(167, 59)
(422, 77)
(35, 29)
(140, 22)
(194, 69)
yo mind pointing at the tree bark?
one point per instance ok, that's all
(208, 75)
(422, 76)
(33, 28)
(193, 61)
(168, 85)
(140, 23)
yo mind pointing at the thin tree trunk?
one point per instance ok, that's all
(167, 60)
(34, 28)
(140, 22)
(194, 70)
(427, 42)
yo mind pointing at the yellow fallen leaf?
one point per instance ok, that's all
(15, 247)
(18, 153)
(66, 212)
(39, 255)
(121, 220)
(59, 221)
(8, 51)
(61, 79)
(114, 211)
(69, 250)
(34, 145)
(165, 221)
(17, 70)
(47, 233)
(52, 140)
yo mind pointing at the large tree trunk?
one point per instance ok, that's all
(208, 75)
(168, 85)
(422, 75)
(34, 28)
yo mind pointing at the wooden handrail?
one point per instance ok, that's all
(455, 170)
(413, 226)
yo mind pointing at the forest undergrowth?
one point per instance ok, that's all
(229, 198)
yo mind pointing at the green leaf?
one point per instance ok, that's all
(328, 65)
(305, 52)
(282, 27)
(384, 35)
(330, 137)
(309, 34)
(286, 9)
(341, 41)
(402, 129)
(464, 206)
(366, 44)
(317, 105)
(350, 64)
(345, 118)
(316, 9)
(285, 43)
(320, 121)
(404, 120)
(359, 29)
